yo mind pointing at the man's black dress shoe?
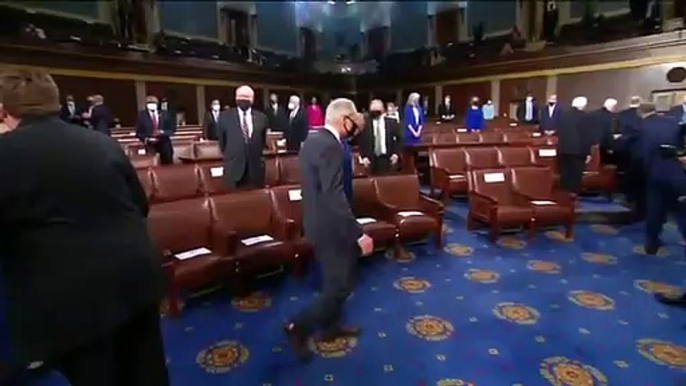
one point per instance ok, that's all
(678, 300)
(298, 341)
(336, 332)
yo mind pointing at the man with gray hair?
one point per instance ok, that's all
(330, 226)
(604, 126)
(297, 128)
(573, 145)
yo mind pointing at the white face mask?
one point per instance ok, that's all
(152, 106)
(529, 99)
(291, 106)
(215, 107)
(447, 100)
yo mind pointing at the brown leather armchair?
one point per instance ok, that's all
(206, 150)
(175, 182)
(492, 138)
(262, 238)
(144, 161)
(550, 206)
(514, 156)
(444, 138)
(481, 158)
(547, 156)
(369, 214)
(271, 171)
(448, 172)
(212, 180)
(185, 226)
(145, 178)
(468, 138)
(286, 204)
(493, 201)
(182, 149)
(289, 170)
(598, 177)
(414, 215)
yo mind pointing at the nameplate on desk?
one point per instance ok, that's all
(410, 213)
(494, 177)
(616, 136)
(547, 152)
(542, 202)
(536, 134)
(217, 171)
(192, 253)
(456, 176)
(461, 130)
(295, 195)
(281, 151)
(365, 220)
(256, 240)
(141, 152)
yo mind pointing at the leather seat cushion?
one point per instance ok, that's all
(548, 213)
(415, 226)
(198, 270)
(513, 214)
(379, 231)
(264, 254)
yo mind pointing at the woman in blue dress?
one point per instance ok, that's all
(474, 117)
(413, 120)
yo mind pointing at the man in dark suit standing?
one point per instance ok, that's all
(679, 112)
(83, 281)
(331, 226)
(379, 140)
(154, 128)
(297, 129)
(211, 122)
(242, 138)
(604, 126)
(70, 112)
(550, 116)
(527, 111)
(276, 114)
(629, 157)
(446, 110)
(99, 115)
(573, 145)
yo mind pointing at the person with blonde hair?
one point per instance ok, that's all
(83, 280)
(413, 120)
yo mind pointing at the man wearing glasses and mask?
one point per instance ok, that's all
(330, 226)
(379, 141)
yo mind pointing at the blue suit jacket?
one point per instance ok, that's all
(657, 130)
(347, 170)
(409, 119)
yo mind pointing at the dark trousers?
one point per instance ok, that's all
(381, 164)
(338, 266)
(632, 183)
(132, 355)
(164, 148)
(662, 199)
(571, 168)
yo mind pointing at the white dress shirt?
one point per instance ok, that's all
(293, 113)
(215, 115)
(529, 115)
(379, 127)
(246, 115)
(415, 110)
(551, 110)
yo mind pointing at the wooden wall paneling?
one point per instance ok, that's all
(225, 95)
(181, 98)
(120, 95)
(258, 102)
(428, 94)
(514, 90)
(447, 27)
(461, 94)
(619, 84)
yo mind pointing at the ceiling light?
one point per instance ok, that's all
(331, 2)
(350, 2)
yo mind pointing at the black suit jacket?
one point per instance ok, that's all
(444, 110)
(549, 122)
(101, 119)
(521, 112)
(574, 136)
(68, 117)
(210, 127)
(76, 254)
(677, 112)
(366, 139)
(241, 157)
(297, 130)
(604, 125)
(278, 119)
(327, 218)
(144, 127)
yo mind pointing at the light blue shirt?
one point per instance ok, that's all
(488, 111)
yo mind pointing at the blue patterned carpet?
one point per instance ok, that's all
(546, 312)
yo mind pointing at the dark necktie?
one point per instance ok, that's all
(244, 127)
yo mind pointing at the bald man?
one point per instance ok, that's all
(380, 140)
(242, 134)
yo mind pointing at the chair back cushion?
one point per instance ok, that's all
(177, 182)
(451, 159)
(401, 190)
(481, 158)
(514, 156)
(181, 225)
(246, 212)
(494, 183)
(533, 181)
(212, 180)
(287, 201)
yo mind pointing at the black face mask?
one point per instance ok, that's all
(551, 103)
(352, 130)
(375, 114)
(243, 104)
(475, 103)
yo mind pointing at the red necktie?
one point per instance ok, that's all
(155, 125)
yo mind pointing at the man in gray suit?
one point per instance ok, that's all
(331, 226)
(242, 136)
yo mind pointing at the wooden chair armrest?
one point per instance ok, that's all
(430, 206)
(482, 198)
(224, 241)
(285, 228)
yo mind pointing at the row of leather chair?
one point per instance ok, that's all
(449, 166)
(461, 136)
(518, 196)
(206, 240)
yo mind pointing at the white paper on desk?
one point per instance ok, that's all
(547, 152)
(456, 176)
(217, 171)
(542, 202)
(132, 133)
(141, 152)
(616, 136)
(365, 220)
(494, 177)
(256, 240)
(513, 124)
(409, 213)
(536, 134)
(295, 195)
(192, 253)
(281, 151)
(281, 142)
(461, 130)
